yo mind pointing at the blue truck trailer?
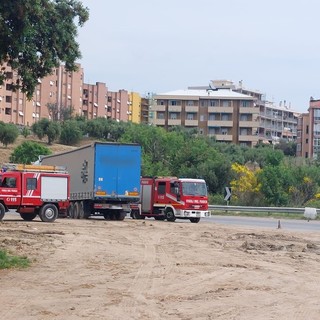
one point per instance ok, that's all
(104, 178)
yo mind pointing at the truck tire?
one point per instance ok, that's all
(76, 210)
(81, 210)
(87, 210)
(70, 210)
(2, 211)
(136, 215)
(170, 215)
(28, 216)
(194, 220)
(120, 215)
(48, 213)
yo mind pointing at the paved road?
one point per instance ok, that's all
(288, 224)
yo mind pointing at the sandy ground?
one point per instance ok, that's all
(133, 269)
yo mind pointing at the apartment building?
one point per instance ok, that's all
(66, 90)
(308, 141)
(226, 111)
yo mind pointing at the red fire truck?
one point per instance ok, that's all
(172, 198)
(34, 190)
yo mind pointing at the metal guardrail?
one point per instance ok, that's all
(259, 209)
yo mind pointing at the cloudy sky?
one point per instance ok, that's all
(163, 45)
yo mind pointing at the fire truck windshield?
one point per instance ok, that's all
(194, 188)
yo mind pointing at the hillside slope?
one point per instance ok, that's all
(55, 148)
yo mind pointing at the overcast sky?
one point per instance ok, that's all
(163, 45)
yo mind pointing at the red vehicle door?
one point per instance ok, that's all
(31, 189)
(10, 189)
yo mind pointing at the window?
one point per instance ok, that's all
(173, 115)
(243, 131)
(174, 186)
(160, 115)
(161, 103)
(307, 140)
(9, 86)
(190, 116)
(224, 117)
(173, 103)
(245, 104)
(9, 182)
(109, 99)
(8, 99)
(190, 103)
(224, 131)
(213, 103)
(203, 103)
(202, 117)
(244, 117)
(226, 103)
(161, 188)
(8, 111)
(212, 116)
(31, 183)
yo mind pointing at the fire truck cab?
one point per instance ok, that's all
(34, 190)
(172, 198)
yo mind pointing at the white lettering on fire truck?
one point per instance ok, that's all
(196, 201)
(11, 199)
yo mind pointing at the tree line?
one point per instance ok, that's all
(261, 176)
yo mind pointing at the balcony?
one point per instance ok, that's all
(224, 137)
(248, 124)
(220, 109)
(194, 109)
(158, 108)
(249, 138)
(174, 108)
(192, 123)
(174, 122)
(159, 122)
(251, 110)
(221, 123)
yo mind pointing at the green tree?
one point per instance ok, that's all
(45, 127)
(71, 133)
(275, 182)
(8, 133)
(25, 132)
(37, 35)
(28, 152)
(53, 131)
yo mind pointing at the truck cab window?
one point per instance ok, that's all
(161, 188)
(9, 182)
(31, 183)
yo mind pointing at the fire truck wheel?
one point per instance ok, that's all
(48, 213)
(2, 211)
(28, 216)
(194, 220)
(170, 215)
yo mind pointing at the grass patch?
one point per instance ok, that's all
(7, 261)
(297, 216)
